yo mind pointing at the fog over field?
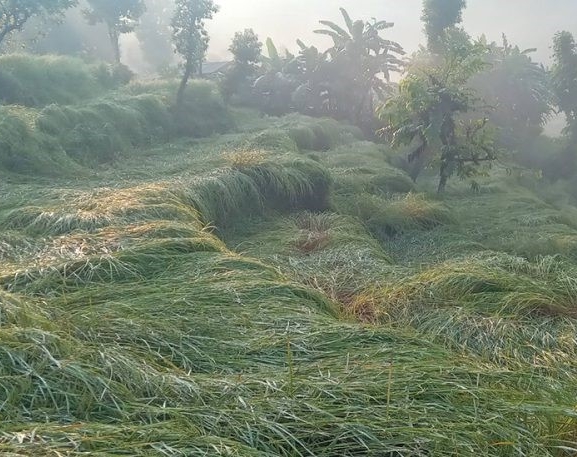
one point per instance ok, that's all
(528, 23)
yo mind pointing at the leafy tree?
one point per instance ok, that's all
(120, 16)
(361, 62)
(439, 16)
(190, 36)
(427, 115)
(246, 49)
(518, 90)
(14, 14)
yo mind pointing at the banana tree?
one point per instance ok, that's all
(274, 88)
(362, 62)
(315, 75)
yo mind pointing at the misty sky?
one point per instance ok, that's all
(528, 23)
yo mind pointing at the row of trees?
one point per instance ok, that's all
(459, 102)
(344, 81)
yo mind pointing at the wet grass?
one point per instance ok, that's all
(242, 295)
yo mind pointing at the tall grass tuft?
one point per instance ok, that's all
(42, 80)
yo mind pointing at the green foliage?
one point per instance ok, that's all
(16, 13)
(246, 48)
(55, 139)
(518, 90)
(359, 61)
(319, 134)
(492, 284)
(564, 77)
(23, 150)
(424, 114)
(398, 214)
(342, 82)
(324, 339)
(154, 34)
(99, 132)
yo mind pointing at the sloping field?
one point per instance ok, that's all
(283, 291)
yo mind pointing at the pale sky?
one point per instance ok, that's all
(528, 23)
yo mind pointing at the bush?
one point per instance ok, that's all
(387, 180)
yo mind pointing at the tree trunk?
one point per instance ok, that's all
(447, 157)
(444, 177)
(115, 41)
(188, 69)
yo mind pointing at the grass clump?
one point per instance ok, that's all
(310, 134)
(272, 140)
(391, 216)
(386, 180)
(496, 284)
(292, 184)
(98, 132)
(326, 251)
(27, 151)
(202, 112)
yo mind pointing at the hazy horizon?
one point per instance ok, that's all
(284, 23)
